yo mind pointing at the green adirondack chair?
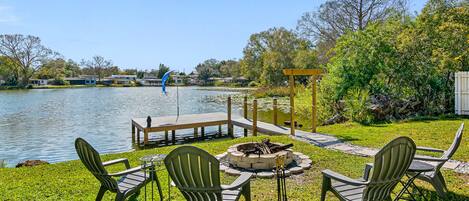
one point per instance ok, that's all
(130, 180)
(435, 178)
(390, 165)
(196, 173)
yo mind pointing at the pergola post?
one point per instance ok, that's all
(315, 108)
(311, 72)
(292, 104)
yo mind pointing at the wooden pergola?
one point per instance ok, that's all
(314, 73)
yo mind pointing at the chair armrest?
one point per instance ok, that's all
(429, 158)
(336, 176)
(368, 168)
(120, 160)
(126, 172)
(242, 180)
(429, 149)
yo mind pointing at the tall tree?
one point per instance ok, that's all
(8, 70)
(27, 53)
(269, 52)
(209, 68)
(336, 17)
(97, 66)
(162, 69)
(230, 68)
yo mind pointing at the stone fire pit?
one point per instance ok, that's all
(239, 158)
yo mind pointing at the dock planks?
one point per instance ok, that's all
(173, 123)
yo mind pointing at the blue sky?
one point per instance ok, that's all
(141, 34)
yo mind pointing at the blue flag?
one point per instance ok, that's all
(163, 81)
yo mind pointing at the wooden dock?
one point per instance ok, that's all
(196, 121)
(173, 123)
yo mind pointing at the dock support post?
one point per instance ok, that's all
(138, 137)
(145, 136)
(254, 118)
(245, 113)
(219, 131)
(196, 133)
(275, 111)
(315, 108)
(292, 104)
(133, 133)
(166, 139)
(202, 132)
(230, 125)
(173, 136)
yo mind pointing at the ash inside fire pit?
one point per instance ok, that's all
(264, 147)
(259, 158)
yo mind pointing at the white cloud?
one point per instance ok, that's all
(7, 15)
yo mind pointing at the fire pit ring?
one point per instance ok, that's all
(239, 159)
(236, 160)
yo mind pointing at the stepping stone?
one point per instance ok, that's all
(220, 156)
(342, 147)
(296, 170)
(305, 166)
(306, 161)
(223, 167)
(366, 152)
(451, 165)
(232, 172)
(265, 175)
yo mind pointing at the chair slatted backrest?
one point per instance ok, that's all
(195, 172)
(92, 161)
(390, 165)
(454, 146)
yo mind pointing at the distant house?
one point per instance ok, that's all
(123, 79)
(150, 81)
(194, 78)
(82, 80)
(2, 80)
(39, 82)
(178, 79)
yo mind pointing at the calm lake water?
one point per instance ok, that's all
(43, 123)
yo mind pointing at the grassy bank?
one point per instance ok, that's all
(71, 181)
(438, 133)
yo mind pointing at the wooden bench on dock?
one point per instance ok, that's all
(173, 123)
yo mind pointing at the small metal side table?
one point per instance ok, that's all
(152, 164)
(416, 168)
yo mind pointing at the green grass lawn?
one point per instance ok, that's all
(71, 181)
(430, 133)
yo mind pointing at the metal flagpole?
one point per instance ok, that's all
(177, 98)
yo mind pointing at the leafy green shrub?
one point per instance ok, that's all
(253, 84)
(356, 103)
(60, 81)
(219, 83)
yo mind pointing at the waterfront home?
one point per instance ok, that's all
(178, 79)
(194, 78)
(123, 79)
(150, 81)
(2, 80)
(82, 80)
(39, 82)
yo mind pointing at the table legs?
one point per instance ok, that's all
(406, 187)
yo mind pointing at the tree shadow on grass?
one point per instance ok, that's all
(432, 195)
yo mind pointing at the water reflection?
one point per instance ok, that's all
(42, 124)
